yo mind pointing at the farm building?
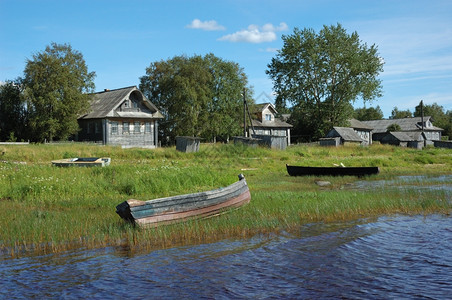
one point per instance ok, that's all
(269, 128)
(123, 117)
(357, 133)
(403, 139)
(341, 136)
(409, 126)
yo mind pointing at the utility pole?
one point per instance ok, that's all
(244, 112)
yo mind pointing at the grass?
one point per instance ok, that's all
(48, 209)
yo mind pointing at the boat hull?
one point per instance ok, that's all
(331, 171)
(169, 210)
(82, 162)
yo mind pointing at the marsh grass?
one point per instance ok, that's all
(48, 209)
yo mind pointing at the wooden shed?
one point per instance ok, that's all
(187, 143)
(346, 135)
(404, 139)
(333, 141)
(272, 141)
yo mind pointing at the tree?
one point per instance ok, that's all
(400, 114)
(12, 112)
(448, 128)
(368, 114)
(393, 127)
(199, 96)
(56, 85)
(321, 74)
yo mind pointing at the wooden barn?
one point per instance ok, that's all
(123, 117)
(403, 139)
(341, 136)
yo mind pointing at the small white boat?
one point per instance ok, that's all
(83, 162)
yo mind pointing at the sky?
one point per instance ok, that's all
(120, 39)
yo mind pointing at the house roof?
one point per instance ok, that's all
(261, 106)
(277, 123)
(104, 104)
(406, 124)
(347, 133)
(401, 136)
(359, 125)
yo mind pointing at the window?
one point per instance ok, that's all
(135, 104)
(136, 127)
(96, 127)
(147, 127)
(125, 127)
(126, 104)
(268, 117)
(114, 127)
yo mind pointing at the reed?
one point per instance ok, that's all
(49, 209)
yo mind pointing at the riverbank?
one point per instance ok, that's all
(49, 209)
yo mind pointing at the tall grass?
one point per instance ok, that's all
(49, 209)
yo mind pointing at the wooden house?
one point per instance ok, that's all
(270, 128)
(409, 126)
(123, 117)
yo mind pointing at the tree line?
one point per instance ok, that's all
(317, 76)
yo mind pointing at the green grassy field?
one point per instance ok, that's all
(50, 209)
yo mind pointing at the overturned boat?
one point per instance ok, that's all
(173, 209)
(83, 162)
(331, 171)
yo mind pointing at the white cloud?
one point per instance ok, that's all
(211, 25)
(255, 34)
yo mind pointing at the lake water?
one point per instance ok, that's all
(394, 257)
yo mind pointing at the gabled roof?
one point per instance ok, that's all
(356, 124)
(104, 104)
(260, 107)
(401, 136)
(406, 124)
(347, 133)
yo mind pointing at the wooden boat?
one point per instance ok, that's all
(83, 162)
(168, 210)
(331, 171)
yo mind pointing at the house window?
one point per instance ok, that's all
(114, 127)
(147, 127)
(135, 104)
(268, 117)
(136, 127)
(126, 104)
(125, 127)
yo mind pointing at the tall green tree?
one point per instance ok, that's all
(400, 114)
(321, 74)
(57, 83)
(368, 114)
(199, 96)
(13, 118)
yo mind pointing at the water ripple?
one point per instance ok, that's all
(391, 257)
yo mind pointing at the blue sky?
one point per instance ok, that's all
(119, 39)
